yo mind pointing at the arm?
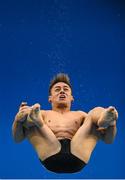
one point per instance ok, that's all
(26, 118)
(18, 131)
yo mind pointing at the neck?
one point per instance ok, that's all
(61, 108)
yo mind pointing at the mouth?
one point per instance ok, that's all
(62, 97)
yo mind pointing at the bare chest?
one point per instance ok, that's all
(62, 122)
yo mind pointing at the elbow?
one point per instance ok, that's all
(109, 141)
(17, 138)
(17, 135)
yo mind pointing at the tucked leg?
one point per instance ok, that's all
(99, 124)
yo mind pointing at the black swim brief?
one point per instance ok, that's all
(64, 161)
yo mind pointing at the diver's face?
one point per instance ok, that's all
(61, 93)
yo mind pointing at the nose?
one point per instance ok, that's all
(62, 91)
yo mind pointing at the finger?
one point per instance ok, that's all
(25, 111)
(21, 116)
(101, 129)
(113, 123)
(25, 108)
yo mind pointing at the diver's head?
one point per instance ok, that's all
(60, 91)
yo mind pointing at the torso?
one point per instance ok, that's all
(63, 125)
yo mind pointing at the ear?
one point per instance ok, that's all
(50, 99)
(72, 98)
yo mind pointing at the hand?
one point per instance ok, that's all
(23, 112)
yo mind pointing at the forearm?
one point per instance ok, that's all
(18, 131)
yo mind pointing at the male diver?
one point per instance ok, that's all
(63, 139)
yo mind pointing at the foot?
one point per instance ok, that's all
(108, 117)
(34, 118)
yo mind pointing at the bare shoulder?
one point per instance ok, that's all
(45, 112)
(81, 115)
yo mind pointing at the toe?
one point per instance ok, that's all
(111, 108)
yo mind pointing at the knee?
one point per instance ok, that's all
(95, 113)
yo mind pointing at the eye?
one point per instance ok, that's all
(66, 89)
(57, 90)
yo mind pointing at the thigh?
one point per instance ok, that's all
(84, 141)
(44, 141)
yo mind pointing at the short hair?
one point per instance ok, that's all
(60, 77)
